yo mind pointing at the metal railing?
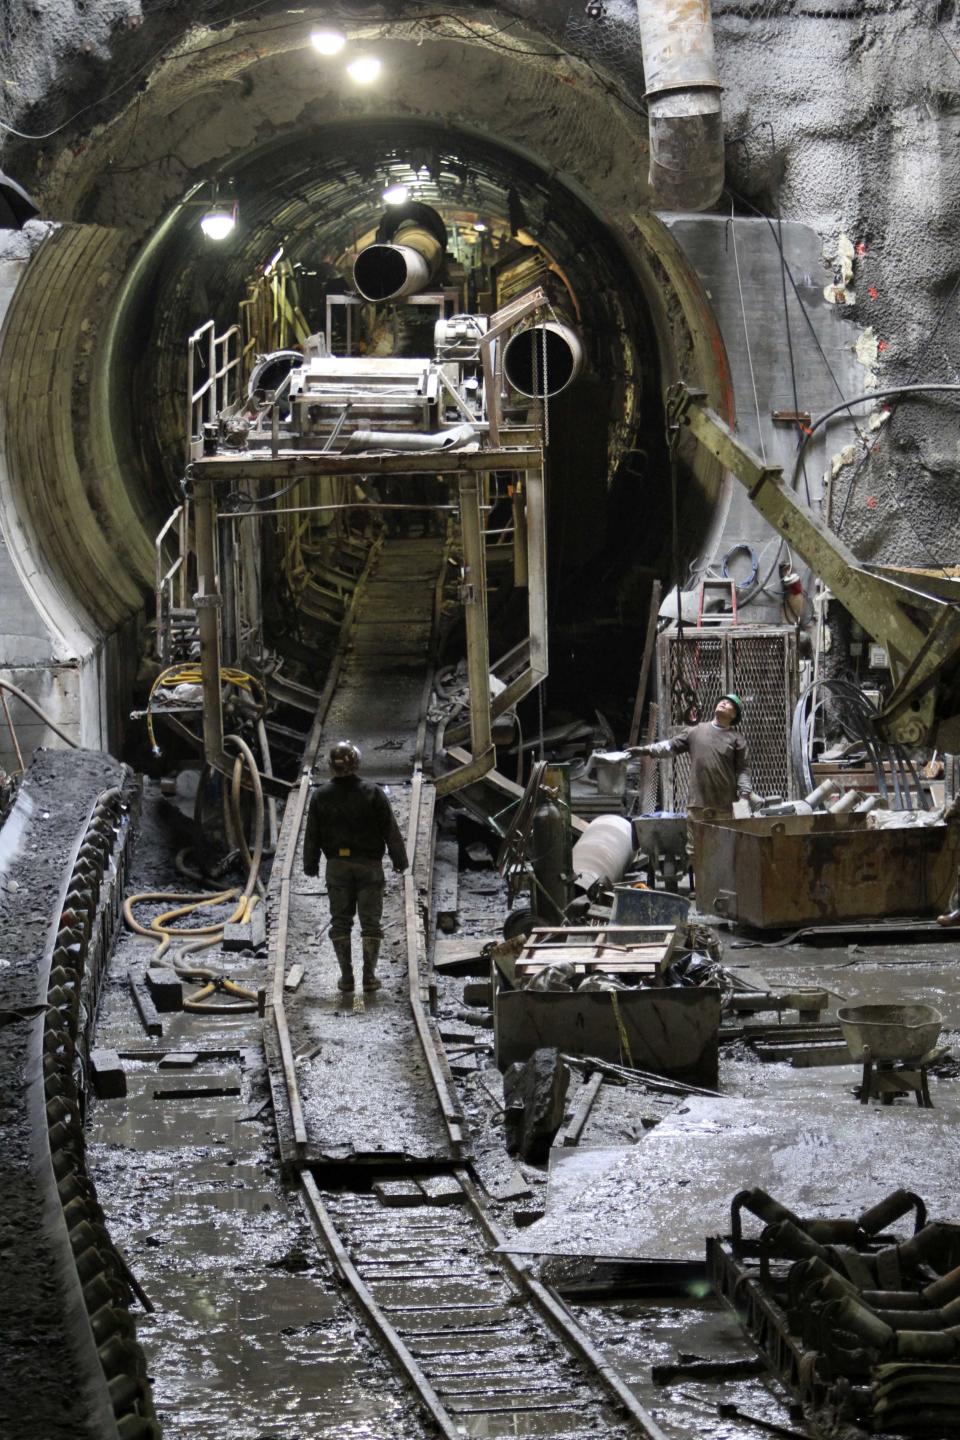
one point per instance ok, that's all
(175, 576)
(219, 358)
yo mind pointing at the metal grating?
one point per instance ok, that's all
(758, 663)
(762, 670)
(692, 679)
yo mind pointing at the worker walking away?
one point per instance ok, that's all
(718, 756)
(350, 822)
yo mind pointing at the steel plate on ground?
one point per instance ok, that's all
(661, 1199)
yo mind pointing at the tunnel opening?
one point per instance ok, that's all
(310, 197)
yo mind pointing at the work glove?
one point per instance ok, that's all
(754, 799)
(639, 749)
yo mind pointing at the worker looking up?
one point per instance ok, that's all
(351, 823)
(718, 754)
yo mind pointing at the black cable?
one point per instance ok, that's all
(936, 26)
(799, 298)
(786, 321)
(912, 377)
(856, 715)
(864, 399)
(778, 237)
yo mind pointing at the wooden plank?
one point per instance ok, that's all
(145, 1006)
(644, 964)
(602, 929)
(570, 1134)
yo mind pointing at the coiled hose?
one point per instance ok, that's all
(856, 715)
(163, 928)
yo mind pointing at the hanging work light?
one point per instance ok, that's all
(328, 42)
(364, 70)
(219, 221)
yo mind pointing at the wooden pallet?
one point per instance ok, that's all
(647, 951)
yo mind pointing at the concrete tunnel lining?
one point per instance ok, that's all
(117, 477)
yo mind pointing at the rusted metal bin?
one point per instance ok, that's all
(672, 1030)
(783, 871)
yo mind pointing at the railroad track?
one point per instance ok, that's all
(488, 1349)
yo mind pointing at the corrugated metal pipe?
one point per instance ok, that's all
(683, 101)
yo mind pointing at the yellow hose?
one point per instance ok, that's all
(191, 675)
(162, 928)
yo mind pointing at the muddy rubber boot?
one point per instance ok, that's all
(341, 948)
(371, 950)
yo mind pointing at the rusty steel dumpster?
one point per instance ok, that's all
(672, 1030)
(783, 871)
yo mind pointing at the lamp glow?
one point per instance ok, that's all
(218, 224)
(396, 194)
(479, 226)
(364, 70)
(327, 42)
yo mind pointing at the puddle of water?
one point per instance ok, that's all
(661, 1333)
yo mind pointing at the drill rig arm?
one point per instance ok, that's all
(920, 633)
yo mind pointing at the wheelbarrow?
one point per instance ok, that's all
(889, 1033)
(892, 1042)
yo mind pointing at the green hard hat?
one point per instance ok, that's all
(736, 701)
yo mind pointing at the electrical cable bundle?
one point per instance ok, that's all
(856, 715)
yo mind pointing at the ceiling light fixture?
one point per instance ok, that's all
(396, 194)
(364, 70)
(220, 220)
(479, 226)
(327, 42)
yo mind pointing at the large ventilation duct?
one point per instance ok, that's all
(543, 359)
(683, 100)
(405, 257)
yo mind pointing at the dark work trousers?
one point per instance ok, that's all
(355, 887)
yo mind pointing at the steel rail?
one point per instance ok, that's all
(558, 1317)
(415, 936)
(322, 1223)
(286, 851)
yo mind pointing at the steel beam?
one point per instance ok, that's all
(474, 600)
(208, 603)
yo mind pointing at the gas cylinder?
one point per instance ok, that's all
(548, 854)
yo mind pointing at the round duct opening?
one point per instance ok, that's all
(381, 271)
(543, 360)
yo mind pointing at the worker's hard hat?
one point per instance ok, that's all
(344, 758)
(737, 704)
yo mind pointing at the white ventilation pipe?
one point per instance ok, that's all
(404, 266)
(545, 357)
(453, 439)
(683, 101)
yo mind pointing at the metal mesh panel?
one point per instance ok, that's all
(762, 668)
(691, 683)
(758, 663)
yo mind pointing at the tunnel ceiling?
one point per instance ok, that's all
(222, 95)
(488, 114)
